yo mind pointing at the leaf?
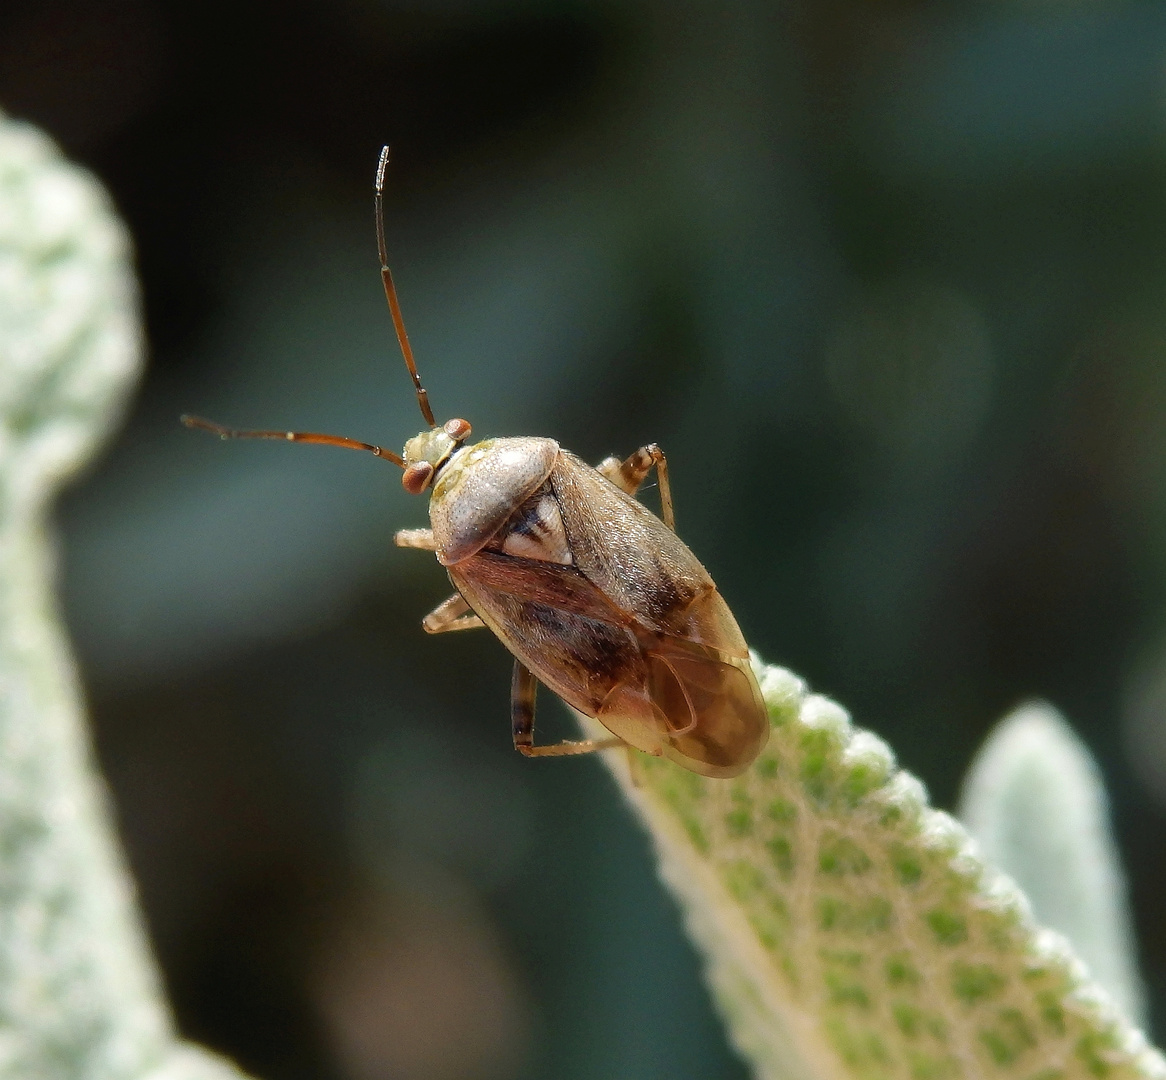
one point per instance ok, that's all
(849, 930)
(1035, 802)
(79, 992)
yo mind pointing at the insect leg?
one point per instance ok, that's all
(415, 538)
(629, 474)
(451, 615)
(522, 692)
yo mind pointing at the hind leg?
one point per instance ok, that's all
(523, 688)
(629, 474)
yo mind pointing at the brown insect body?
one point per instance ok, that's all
(600, 600)
(594, 595)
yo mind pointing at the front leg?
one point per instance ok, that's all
(415, 538)
(628, 475)
(523, 688)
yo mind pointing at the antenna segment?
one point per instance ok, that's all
(292, 436)
(391, 291)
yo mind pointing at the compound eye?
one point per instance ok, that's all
(458, 430)
(415, 479)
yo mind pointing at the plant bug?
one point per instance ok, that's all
(595, 596)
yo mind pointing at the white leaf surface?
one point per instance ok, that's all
(1035, 801)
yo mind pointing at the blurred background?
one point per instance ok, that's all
(885, 278)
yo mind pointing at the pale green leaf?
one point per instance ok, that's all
(1035, 802)
(851, 931)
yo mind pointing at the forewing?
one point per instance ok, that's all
(554, 620)
(546, 583)
(627, 552)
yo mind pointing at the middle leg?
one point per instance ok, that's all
(451, 614)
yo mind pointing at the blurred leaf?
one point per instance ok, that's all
(79, 994)
(1035, 802)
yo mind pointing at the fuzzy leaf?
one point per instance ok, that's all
(79, 993)
(851, 931)
(1035, 802)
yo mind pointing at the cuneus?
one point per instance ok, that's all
(594, 595)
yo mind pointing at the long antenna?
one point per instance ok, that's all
(391, 292)
(292, 436)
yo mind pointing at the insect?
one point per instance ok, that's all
(594, 595)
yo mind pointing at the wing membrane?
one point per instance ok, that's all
(708, 707)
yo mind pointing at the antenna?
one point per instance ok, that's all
(292, 436)
(391, 291)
